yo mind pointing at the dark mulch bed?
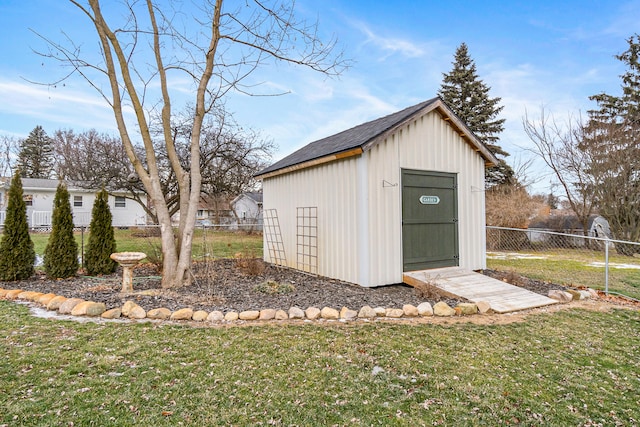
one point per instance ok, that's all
(234, 285)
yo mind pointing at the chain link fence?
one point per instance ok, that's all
(567, 259)
(209, 241)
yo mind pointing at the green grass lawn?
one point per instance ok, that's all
(569, 368)
(571, 267)
(209, 243)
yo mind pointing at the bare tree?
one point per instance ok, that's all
(93, 160)
(509, 205)
(230, 154)
(8, 151)
(215, 49)
(559, 147)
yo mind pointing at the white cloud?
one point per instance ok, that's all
(53, 108)
(391, 45)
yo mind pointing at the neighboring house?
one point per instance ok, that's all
(248, 208)
(39, 195)
(393, 195)
(214, 210)
(597, 226)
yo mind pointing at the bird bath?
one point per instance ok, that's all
(128, 260)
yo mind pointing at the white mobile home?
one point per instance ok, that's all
(401, 193)
(39, 194)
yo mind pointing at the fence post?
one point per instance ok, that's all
(606, 265)
(82, 246)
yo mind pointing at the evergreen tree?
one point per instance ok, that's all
(102, 242)
(61, 253)
(611, 140)
(468, 97)
(17, 255)
(35, 159)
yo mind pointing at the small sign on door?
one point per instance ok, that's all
(429, 200)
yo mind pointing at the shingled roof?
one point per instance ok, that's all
(355, 140)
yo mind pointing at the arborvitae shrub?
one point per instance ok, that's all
(61, 253)
(102, 242)
(17, 255)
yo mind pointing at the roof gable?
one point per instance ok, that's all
(359, 138)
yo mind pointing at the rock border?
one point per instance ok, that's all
(131, 310)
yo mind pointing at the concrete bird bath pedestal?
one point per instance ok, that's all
(128, 260)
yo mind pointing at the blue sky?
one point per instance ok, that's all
(532, 54)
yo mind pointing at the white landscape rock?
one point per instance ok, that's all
(367, 312)
(561, 296)
(231, 316)
(137, 312)
(466, 308)
(394, 313)
(89, 308)
(249, 315)
(410, 310)
(348, 314)
(182, 314)
(215, 316)
(442, 309)
(199, 315)
(380, 311)
(484, 307)
(312, 313)
(267, 314)
(127, 307)
(161, 313)
(114, 313)
(585, 294)
(56, 302)
(296, 313)
(67, 306)
(329, 313)
(425, 309)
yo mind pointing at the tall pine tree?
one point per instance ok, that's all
(468, 97)
(17, 255)
(61, 253)
(611, 139)
(102, 242)
(35, 159)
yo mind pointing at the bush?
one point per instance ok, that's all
(17, 255)
(272, 287)
(61, 253)
(102, 242)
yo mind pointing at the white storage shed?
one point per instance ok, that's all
(401, 193)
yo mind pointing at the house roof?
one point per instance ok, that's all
(354, 141)
(256, 196)
(562, 222)
(43, 184)
(37, 183)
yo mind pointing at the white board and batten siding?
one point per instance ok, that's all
(359, 201)
(332, 189)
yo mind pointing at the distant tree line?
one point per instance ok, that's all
(230, 156)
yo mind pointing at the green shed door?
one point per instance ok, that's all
(429, 220)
